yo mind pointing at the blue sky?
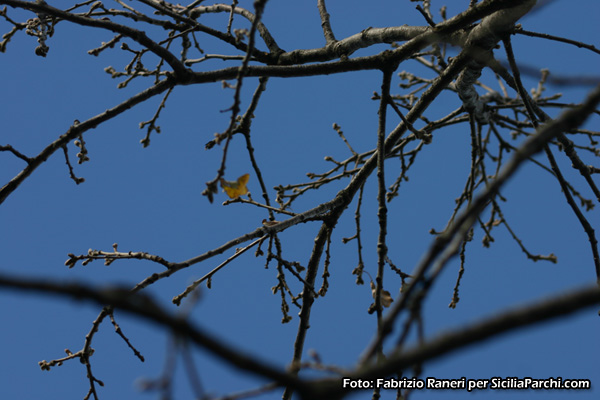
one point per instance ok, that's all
(149, 199)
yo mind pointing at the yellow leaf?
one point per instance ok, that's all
(237, 188)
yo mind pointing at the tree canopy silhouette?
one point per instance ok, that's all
(447, 91)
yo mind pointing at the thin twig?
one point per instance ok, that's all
(177, 299)
(579, 44)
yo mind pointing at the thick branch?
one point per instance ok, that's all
(568, 120)
(346, 195)
(145, 307)
(381, 191)
(325, 24)
(457, 339)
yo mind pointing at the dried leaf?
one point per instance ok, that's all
(269, 223)
(386, 297)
